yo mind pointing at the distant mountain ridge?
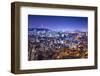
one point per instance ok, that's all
(38, 29)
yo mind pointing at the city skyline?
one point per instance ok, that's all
(58, 23)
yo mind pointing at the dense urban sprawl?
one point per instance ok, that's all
(45, 44)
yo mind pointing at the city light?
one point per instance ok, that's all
(53, 37)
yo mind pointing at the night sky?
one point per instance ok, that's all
(58, 23)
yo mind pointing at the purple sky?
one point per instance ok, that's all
(58, 23)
